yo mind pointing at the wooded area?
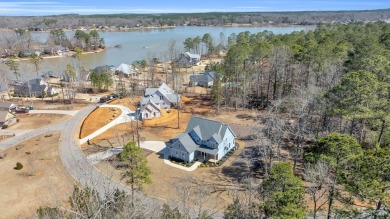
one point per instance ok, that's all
(325, 135)
(326, 93)
(74, 21)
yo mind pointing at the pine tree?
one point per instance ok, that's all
(283, 193)
(217, 91)
(369, 179)
(339, 151)
(137, 171)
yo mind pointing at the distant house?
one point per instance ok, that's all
(29, 52)
(187, 59)
(7, 119)
(124, 69)
(35, 87)
(163, 96)
(149, 109)
(204, 80)
(203, 139)
(109, 68)
(8, 107)
(55, 50)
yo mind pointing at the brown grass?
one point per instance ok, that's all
(113, 137)
(48, 104)
(130, 102)
(97, 119)
(34, 121)
(166, 126)
(43, 181)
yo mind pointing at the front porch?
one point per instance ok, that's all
(206, 155)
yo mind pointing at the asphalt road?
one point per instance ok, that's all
(8, 143)
(77, 164)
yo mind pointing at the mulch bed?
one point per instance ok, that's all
(222, 160)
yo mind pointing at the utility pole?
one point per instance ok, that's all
(137, 118)
(29, 90)
(178, 110)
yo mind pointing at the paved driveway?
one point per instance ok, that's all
(155, 146)
(65, 112)
(123, 118)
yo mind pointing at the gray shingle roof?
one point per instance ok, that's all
(186, 141)
(148, 100)
(173, 98)
(150, 91)
(196, 78)
(192, 56)
(165, 91)
(103, 68)
(207, 150)
(145, 100)
(207, 76)
(208, 128)
(124, 68)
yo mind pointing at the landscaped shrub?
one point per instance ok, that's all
(19, 166)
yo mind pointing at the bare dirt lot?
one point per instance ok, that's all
(34, 121)
(43, 181)
(97, 119)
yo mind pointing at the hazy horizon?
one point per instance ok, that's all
(83, 7)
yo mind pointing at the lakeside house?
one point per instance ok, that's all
(188, 59)
(204, 139)
(34, 87)
(102, 69)
(156, 99)
(7, 119)
(8, 107)
(55, 50)
(124, 69)
(28, 53)
(204, 80)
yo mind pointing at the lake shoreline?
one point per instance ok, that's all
(138, 45)
(124, 29)
(67, 55)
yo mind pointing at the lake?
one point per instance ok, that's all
(133, 43)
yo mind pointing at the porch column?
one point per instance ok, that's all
(215, 159)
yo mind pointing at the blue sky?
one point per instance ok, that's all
(47, 7)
